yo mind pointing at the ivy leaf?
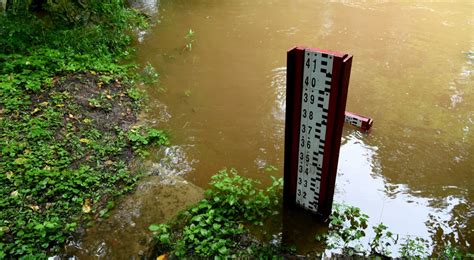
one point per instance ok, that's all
(39, 226)
(154, 228)
(165, 238)
(49, 224)
(223, 250)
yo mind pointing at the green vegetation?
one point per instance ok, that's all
(347, 228)
(187, 93)
(218, 225)
(189, 38)
(67, 109)
(451, 252)
(149, 75)
(270, 168)
(344, 235)
(414, 247)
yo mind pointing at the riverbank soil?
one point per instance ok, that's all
(68, 111)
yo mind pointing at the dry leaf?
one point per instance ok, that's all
(162, 257)
(35, 111)
(20, 160)
(86, 207)
(85, 140)
(34, 207)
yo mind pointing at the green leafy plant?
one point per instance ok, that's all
(135, 94)
(271, 168)
(149, 74)
(383, 240)
(414, 247)
(347, 227)
(216, 225)
(101, 101)
(452, 252)
(162, 233)
(142, 135)
(187, 93)
(190, 38)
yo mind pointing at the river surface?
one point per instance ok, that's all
(223, 100)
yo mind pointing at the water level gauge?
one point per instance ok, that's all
(317, 84)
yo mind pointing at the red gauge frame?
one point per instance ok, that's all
(337, 103)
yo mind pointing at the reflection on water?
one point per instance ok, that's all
(278, 85)
(412, 73)
(173, 161)
(360, 183)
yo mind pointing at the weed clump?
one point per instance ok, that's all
(217, 225)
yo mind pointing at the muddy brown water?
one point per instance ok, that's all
(224, 101)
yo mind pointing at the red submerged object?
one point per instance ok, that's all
(364, 123)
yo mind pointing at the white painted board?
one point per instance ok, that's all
(317, 77)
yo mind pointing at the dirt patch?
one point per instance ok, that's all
(92, 101)
(104, 100)
(100, 98)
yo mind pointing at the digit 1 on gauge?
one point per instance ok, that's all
(316, 94)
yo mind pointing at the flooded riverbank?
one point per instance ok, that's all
(412, 73)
